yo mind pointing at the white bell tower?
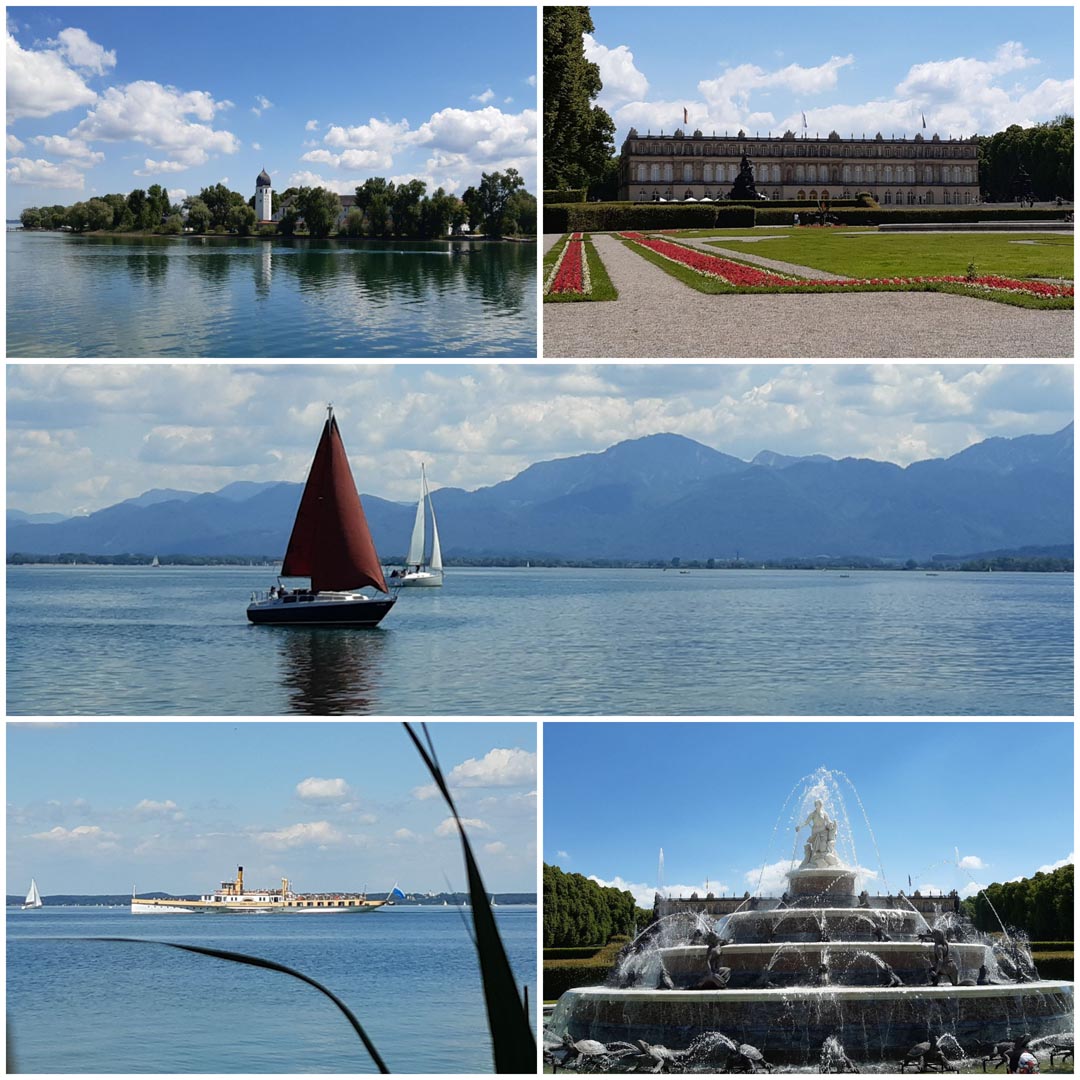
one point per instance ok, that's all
(264, 197)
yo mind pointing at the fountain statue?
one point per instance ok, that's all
(823, 976)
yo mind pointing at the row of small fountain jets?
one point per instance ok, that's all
(715, 1052)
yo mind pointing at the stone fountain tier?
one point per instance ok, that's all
(778, 924)
(845, 963)
(790, 1025)
(821, 884)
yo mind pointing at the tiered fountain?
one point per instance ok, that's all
(816, 968)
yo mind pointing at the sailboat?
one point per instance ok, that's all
(33, 897)
(331, 544)
(417, 572)
(155, 562)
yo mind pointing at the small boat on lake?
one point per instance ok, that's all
(331, 545)
(33, 897)
(419, 571)
(233, 899)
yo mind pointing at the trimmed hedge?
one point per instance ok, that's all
(616, 217)
(568, 952)
(562, 975)
(886, 215)
(1055, 966)
(564, 195)
(1050, 946)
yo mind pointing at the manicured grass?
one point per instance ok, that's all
(863, 253)
(705, 284)
(602, 289)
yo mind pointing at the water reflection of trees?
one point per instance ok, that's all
(331, 671)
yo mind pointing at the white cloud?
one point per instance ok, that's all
(971, 862)
(485, 97)
(497, 768)
(562, 854)
(643, 894)
(153, 168)
(405, 834)
(147, 112)
(448, 826)
(312, 125)
(305, 178)
(485, 135)
(317, 789)
(14, 145)
(44, 173)
(150, 808)
(1049, 868)
(497, 847)
(970, 889)
(303, 834)
(87, 837)
(81, 52)
(261, 105)
(40, 83)
(531, 80)
(74, 149)
(177, 194)
(622, 80)
(256, 146)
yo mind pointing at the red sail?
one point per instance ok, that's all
(331, 542)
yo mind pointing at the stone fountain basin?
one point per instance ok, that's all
(847, 961)
(803, 924)
(790, 1025)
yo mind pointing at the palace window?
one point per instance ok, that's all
(801, 194)
(813, 196)
(911, 198)
(888, 198)
(654, 173)
(688, 173)
(669, 172)
(928, 198)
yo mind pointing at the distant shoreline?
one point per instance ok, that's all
(144, 235)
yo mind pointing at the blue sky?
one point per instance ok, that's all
(107, 99)
(95, 807)
(998, 795)
(857, 70)
(85, 436)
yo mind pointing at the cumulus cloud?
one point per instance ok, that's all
(151, 808)
(303, 834)
(485, 97)
(643, 894)
(14, 145)
(75, 45)
(320, 790)
(622, 80)
(312, 125)
(496, 847)
(1048, 868)
(405, 834)
(261, 105)
(177, 194)
(45, 173)
(163, 117)
(497, 768)
(84, 837)
(75, 150)
(449, 825)
(40, 82)
(971, 862)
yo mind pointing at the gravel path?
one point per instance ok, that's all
(551, 239)
(658, 316)
(767, 264)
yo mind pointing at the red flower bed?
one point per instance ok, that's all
(569, 276)
(743, 276)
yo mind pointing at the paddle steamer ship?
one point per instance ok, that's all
(233, 899)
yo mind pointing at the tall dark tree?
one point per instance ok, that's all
(494, 193)
(320, 210)
(1044, 152)
(578, 135)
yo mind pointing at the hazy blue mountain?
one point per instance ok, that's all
(159, 495)
(34, 519)
(650, 498)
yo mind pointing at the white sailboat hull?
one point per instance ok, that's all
(421, 579)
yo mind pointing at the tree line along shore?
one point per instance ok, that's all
(499, 206)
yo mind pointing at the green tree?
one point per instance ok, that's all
(198, 214)
(99, 214)
(159, 206)
(1045, 151)
(241, 219)
(31, 218)
(375, 197)
(354, 222)
(320, 210)
(405, 207)
(219, 201)
(474, 208)
(139, 207)
(520, 218)
(579, 137)
(173, 225)
(436, 214)
(494, 193)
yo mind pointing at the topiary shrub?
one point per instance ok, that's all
(564, 195)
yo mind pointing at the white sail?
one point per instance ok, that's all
(416, 544)
(436, 551)
(33, 897)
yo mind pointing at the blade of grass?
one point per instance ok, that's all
(512, 1038)
(270, 965)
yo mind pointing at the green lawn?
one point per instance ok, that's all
(866, 253)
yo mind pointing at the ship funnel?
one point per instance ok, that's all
(239, 879)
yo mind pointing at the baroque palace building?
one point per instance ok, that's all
(897, 172)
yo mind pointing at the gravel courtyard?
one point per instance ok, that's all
(658, 316)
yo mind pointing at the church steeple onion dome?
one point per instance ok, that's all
(263, 180)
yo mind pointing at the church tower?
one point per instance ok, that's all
(264, 197)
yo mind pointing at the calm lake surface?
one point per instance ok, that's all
(225, 296)
(409, 974)
(142, 641)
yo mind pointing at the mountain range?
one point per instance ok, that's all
(655, 497)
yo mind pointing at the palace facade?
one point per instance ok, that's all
(897, 172)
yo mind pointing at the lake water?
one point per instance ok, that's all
(409, 975)
(142, 641)
(225, 296)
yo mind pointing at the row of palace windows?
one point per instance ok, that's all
(804, 149)
(809, 174)
(888, 198)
